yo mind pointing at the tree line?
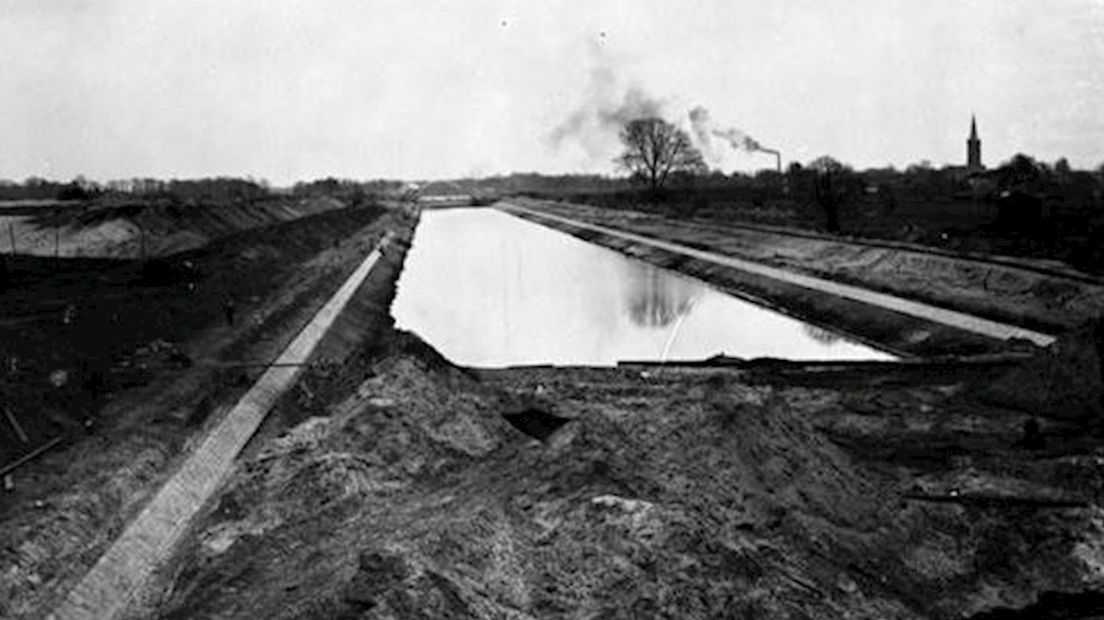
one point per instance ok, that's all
(210, 190)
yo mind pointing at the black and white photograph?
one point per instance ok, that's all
(559, 309)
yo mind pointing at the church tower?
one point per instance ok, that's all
(973, 149)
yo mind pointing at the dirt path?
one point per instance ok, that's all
(925, 311)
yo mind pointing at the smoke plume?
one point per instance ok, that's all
(608, 105)
(606, 108)
(702, 126)
(705, 131)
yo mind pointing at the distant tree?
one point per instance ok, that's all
(887, 199)
(654, 149)
(769, 178)
(357, 196)
(1021, 172)
(1019, 202)
(73, 191)
(834, 186)
(1062, 167)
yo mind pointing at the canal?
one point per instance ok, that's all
(488, 289)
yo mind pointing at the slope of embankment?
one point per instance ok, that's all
(145, 229)
(1039, 295)
(69, 503)
(393, 484)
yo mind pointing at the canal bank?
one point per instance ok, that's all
(1037, 295)
(907, 334)
(847, 490)
(68, 506)
(519, 293)
(130, 560)
(405, 486)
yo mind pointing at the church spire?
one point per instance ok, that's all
(973, 148)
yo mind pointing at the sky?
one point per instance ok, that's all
(414, 89)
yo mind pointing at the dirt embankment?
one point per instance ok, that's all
(103, 325)
(1001, 292)
(144, 230)
(68, 504)
(655, 493)
(900, 333)
(409, 488)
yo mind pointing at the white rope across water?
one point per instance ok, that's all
(678, 325)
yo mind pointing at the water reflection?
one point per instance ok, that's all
(821, 335)
(489, 289)
(655, 299)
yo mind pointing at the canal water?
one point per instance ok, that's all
(489, 289)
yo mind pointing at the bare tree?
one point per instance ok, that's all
(654, 149)
(834, 187)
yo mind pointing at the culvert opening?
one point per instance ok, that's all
(536, 423)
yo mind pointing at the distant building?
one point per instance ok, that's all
(973, 173)
(973, 149)
(451, 200)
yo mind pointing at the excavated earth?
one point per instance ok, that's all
(142, 229)
(125, 437)
(391, 484)
(412, 488)
(793, 491)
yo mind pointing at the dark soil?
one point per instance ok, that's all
(89, 316)
(70, 502)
